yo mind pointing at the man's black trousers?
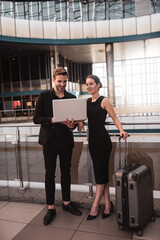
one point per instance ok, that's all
(50, 152)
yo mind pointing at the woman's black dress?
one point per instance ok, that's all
(100, 145)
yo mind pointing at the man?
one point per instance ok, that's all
(56, 139)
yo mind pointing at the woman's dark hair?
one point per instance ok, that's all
(96, 79)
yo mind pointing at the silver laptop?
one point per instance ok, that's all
(69, 109)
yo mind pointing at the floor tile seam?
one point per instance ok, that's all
(20, 231)
(52, 227)
(73, 235)
(111, 235)
(11, 221)
(22, 222)
(134, 238)
(82, 196)
(82, 220)
(4, 205)
(83, 231)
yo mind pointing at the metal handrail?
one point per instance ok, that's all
(155, 122)
(18, 147)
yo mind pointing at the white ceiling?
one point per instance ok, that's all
(92, 53)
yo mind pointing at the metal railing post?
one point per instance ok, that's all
(19, 162)
(90, 195)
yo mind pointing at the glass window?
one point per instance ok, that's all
(115, 10)
(42, 66)
(26, 10)
(19, 10)
(52, 10)
(100, 10)
(103, 91)
(92, 10)
(107, 9)
(118, 81)
(71, 15)
(58, 11)
(99, 69)
(77, 14)
(24, 61)
(45, 10)
(40, 11)
(141, 81)
(74, 11)
(128, 8)
(64, 11)
(155, 6)
(5, 70)
(15, 69)
(7, 9)
(34, 65)
(35, 10)
(85, 14)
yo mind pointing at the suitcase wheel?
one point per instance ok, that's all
(140, 233)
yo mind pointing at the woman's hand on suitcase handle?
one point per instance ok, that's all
(123, 134)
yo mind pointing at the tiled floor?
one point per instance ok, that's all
(25, 221)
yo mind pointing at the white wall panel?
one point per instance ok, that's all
(63, 30)
(50, 30)
(143, 25)
(129, 50)
(8, 26)
(129, 26)
(22, 28)
(116, 28)
(102, 29)
(89, 29)
(155, 22)
(152, 47)
(76, 30)
(36, 29)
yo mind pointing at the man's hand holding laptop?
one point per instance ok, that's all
(72, 123)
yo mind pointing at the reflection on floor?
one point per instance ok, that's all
(20, 220)
(21, 215)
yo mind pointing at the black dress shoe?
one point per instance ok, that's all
(72, 210)
(91, 217)
(106, 215)
(49, 216)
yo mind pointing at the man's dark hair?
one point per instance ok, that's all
(59, 71)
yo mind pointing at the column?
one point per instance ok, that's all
(110, 72)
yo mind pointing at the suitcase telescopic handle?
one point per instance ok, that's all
(125, 149)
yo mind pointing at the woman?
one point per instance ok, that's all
(100, 145)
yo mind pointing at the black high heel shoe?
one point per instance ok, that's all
(91, 217)
(106, 215)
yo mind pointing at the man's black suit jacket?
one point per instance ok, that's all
(44, 114)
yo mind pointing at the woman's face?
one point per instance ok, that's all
(91, 86)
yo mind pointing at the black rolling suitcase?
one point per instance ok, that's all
(134, 195)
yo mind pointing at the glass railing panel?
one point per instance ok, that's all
(22, 157)
(44, 84)
(25, 85)
(8, 171)
(16, 86)
(7, 87)
(36, 84)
